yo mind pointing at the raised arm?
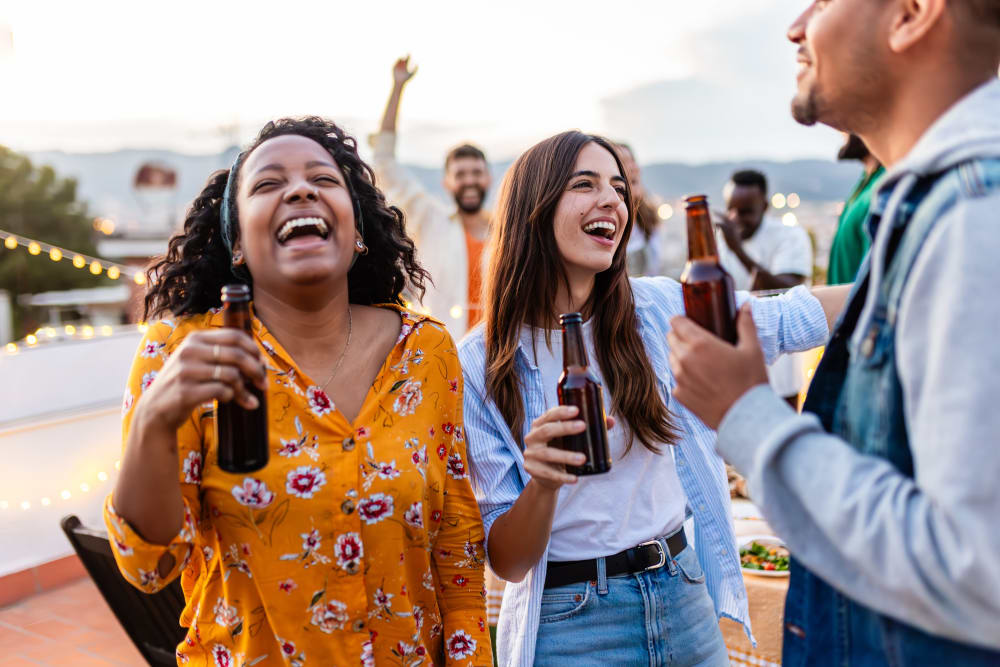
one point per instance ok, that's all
(401, 73)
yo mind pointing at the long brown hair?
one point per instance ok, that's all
(522, 281)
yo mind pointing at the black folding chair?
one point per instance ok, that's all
(151, 621)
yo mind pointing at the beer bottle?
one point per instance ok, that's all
(241, 434)
(579, 386)
(708, 288)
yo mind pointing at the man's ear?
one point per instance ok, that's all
(912, 21)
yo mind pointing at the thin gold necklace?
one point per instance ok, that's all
(350, 329)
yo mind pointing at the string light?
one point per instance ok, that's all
(80, 261)
(45, 335)
(64, 494)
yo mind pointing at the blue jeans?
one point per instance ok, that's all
(660, 617)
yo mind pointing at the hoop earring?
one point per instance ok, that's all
(360, 245)
(238, 259)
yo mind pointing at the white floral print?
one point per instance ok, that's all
(192, 468)
(330, 616)
(319, 402)
(253, 493)
(375, 507)
(348, 551)
(409, 398)
(415, 515)
(304, 481)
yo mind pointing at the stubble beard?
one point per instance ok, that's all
(805, 108)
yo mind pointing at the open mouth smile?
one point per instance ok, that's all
(602, 229)
(300, 227)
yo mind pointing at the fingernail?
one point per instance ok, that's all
(253, 403)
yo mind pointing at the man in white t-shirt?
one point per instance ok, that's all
(762, 253)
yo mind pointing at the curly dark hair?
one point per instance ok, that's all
(188, 279)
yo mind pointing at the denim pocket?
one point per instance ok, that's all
(687, 563)
(564, 602)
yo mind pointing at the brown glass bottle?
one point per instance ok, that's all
(580, 387)
(241, 434)
(708, 289)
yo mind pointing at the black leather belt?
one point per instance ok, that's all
(643, 558)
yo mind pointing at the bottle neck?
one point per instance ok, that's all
(236, 315)
(701, 234)
(574, 351)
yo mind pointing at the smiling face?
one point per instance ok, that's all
(843, 75)
(745, 206)
(591, 215)
(467, 179)
(295, 214)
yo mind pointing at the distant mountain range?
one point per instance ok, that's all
(105, 180)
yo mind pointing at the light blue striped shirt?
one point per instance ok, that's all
(791, 322)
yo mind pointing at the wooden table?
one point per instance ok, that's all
(766, 598)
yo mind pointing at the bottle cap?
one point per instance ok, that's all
(570, 318)
(692, 201)
(236, 292)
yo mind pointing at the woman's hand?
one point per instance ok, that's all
(207, 365)
(547, 464)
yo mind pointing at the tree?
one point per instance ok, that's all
(36, 203)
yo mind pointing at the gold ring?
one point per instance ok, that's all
(215, 351)
(217, 373)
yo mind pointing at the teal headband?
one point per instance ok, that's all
(225, 217)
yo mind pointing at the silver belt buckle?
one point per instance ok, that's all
(663, 554)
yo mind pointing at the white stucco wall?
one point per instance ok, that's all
(60, 411)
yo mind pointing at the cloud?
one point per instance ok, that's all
(734, 105)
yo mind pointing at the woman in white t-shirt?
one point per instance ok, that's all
(601, 568)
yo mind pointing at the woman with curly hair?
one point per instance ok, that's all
(360, 541)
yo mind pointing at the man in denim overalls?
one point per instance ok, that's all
(887, 488)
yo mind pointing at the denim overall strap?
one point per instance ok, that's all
(857, 394)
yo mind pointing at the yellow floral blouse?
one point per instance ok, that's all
(357, 544)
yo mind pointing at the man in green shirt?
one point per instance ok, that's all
(851, 240)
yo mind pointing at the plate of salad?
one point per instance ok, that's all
(764, 555)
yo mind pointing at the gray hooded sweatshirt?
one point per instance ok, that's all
(925, 550)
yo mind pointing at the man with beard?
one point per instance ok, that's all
(851, 242)
(885, 488)
(449, 240)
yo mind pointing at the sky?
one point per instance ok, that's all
(680, 80)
